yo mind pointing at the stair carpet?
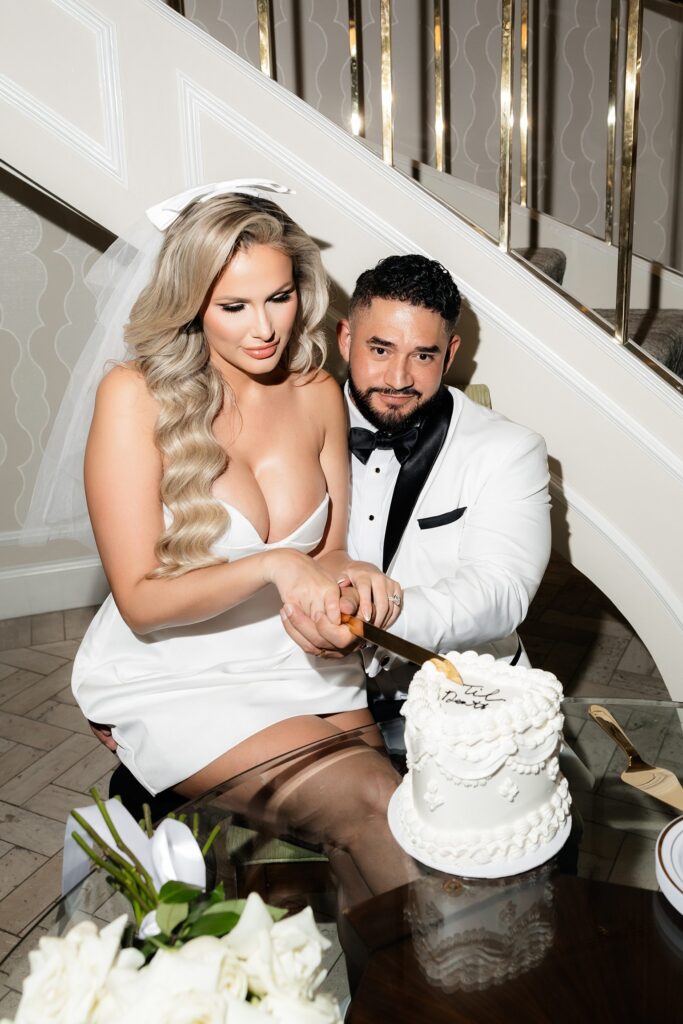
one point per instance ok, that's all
(551, 262)
(659, 332)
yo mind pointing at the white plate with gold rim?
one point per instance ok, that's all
(669, 862)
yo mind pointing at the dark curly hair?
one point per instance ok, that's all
(413, 279)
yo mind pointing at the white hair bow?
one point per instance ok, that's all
(163, 214)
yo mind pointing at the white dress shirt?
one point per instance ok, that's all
(370, 493)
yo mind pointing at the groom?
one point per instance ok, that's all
(448, 498)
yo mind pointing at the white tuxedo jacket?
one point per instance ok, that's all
(474, 548)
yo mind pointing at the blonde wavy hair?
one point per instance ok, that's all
(165, 335)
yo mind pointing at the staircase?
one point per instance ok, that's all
(659, 332)
(149, 104)
(551, 262)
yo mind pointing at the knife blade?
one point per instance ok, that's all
(397, 645)
(382, 638)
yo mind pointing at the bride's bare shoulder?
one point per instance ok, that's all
(123, 390)
(317, 384)
(321, 386)
(123, 376)
(322, 399)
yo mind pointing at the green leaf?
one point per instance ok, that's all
(150, 946)
(226, 906)
(170, 915)
(217, 894)
(196, 911)
(237, 907)
(179, 892)
(213, 924)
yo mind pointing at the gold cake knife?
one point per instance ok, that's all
(397, 645)
(657, 782)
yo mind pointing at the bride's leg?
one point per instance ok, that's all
(341, 800)
(277, 739)
(338, 799)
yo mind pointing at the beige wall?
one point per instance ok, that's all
(569, 63)
(46, 313)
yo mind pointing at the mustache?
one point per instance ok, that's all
(403, 392)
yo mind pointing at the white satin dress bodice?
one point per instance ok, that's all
(178, 698)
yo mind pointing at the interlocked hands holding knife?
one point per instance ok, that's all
(366, 593)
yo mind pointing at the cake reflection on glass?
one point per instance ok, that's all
(484, 795)
(472, 935)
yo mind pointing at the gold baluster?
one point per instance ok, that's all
(524, 103)
(611, 122)
(387, 88)
(634, 34)
(265, 25)
(505, 171)
(439, 98)
(355, 69)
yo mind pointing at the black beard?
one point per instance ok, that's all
(391, 423)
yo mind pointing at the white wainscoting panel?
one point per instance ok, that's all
(51, 586)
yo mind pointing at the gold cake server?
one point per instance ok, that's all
(397, 645)
(657, 782)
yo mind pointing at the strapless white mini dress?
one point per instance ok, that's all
(180, 697)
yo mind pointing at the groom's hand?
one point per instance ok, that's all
(320, 636)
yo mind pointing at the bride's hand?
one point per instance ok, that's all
(302, 582)
(380, 597)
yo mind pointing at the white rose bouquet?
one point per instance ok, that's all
(192, 956)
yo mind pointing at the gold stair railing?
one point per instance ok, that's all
(629, 140)
(628, 87)
(265, 36)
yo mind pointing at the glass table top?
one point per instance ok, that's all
(450, 935)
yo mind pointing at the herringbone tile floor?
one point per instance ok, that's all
(49, 759)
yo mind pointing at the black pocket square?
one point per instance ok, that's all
(441, 520)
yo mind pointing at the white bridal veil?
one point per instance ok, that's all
(58, 507)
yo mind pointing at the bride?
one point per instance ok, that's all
(216, 479)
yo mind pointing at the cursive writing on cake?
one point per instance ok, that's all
(472, 696)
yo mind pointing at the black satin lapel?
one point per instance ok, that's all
(413, 475)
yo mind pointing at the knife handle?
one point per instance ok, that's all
(354, 623)
(606, 721)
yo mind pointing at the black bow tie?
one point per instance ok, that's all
(363, 442)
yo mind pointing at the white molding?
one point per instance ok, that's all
(584, 387)
(622, 545)
(27, 536)
(191, 103)
(196, 100)
(51, 586)
(110, 154)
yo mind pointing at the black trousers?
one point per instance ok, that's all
(133, 795)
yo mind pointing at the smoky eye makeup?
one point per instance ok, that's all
(283, 296)
(237, 306)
